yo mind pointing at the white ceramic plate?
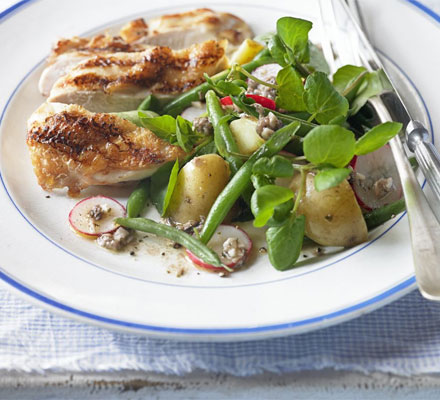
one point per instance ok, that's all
(41, 258)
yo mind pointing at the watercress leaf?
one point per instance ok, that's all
(373, 83)
(284, 243)
(171, 185)
(163, 182)
(290, 90)
(133, 116)
(240, 83)
(328, 178)
(276, 166)
(163, 126)
(281, 213)
(245, 104)
(277, 50)
(228, 88)
(261, 180)
(340, 120)
(264, 38)
(348, 79)
(329, 144)
(377, 137)
(294, 32)
(151, 102)
(184, 134)
(265, 199)
(317, 60)
(322, 100)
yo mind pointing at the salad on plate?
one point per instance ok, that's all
(219, 128)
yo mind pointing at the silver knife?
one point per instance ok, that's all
(424, 226)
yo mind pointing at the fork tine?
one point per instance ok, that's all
(325, 37)
(345, 46)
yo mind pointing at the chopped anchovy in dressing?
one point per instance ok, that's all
(115, 241)
(203, 125)
(266, 126)
(382, 187)
(233, 250)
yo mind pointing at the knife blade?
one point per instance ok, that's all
(424, 227)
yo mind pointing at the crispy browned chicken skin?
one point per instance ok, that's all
(74, 148)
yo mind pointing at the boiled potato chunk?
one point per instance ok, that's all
(245, 134)
(333, 216)
(246, 52)
(198, 185)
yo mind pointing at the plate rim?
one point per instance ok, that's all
(328, 319)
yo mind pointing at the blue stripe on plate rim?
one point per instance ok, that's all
(389, 294)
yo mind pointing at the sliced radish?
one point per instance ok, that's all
(238, 245)
(193, 112)
(94, 216)
(267, 71)
(376, 181)
(264, 101)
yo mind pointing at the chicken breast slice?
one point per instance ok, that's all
(176, 31)
(67, 53)
(184, 29)
(74, 148)
(121, 81)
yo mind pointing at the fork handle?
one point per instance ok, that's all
(423, 225)
(426, 154)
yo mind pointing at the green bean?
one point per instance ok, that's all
(138, 198)
(240, 180)
(183, 101)
(222, 132)
(383, 214)
(189, 242)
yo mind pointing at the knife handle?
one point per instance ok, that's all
(426, 154)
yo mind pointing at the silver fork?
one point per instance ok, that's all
(424, 227)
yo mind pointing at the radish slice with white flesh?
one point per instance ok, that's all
(95, 215)
(194, 112)
(376, 181)
(266, 72)
(231, 243)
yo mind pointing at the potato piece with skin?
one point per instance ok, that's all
(198, 185)
(333, 216)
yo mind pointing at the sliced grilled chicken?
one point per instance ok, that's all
(74, 148)
(134, 30)
(176, 31)
(70, 52)
(121, 81)
(184, 29)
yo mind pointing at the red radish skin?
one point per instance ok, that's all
(234, 231)
(78, 216)
(264, 101)
(358, 199)
(376, 165)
